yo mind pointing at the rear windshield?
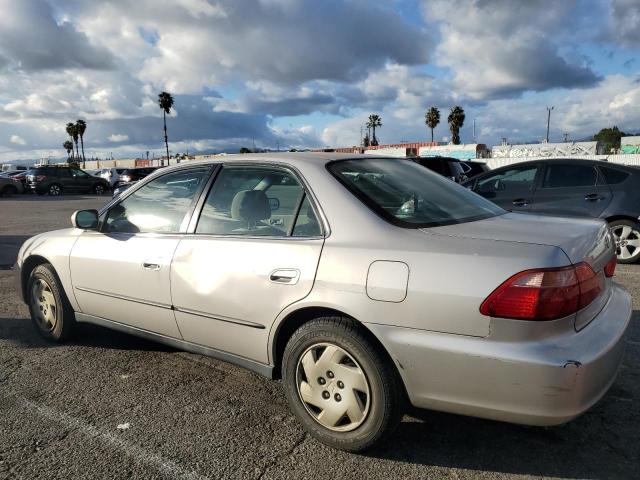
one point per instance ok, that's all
(409, 195)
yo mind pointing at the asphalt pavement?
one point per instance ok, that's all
(108, 405)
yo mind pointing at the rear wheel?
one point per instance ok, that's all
(344, 391)
(626, 234)
(50, 310)
(54, 190)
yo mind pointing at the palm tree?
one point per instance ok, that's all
(165, 101)
(81, 127)
(72, 130)
(373, 122)
(456, 120)
(432, 119)
(68, 146)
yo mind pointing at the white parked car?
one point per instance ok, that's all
(362, 282)
(112, 175)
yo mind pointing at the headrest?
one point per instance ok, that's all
(250, 206)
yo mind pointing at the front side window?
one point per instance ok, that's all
(407, 195)
(512, 179)
(255, 201)
(562, 176)
(160, 206)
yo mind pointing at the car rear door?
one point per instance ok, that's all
(571, 189)
(122, 272)
(512, 188)
(252, 251)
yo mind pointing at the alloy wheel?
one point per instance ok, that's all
(627, 241)
(99, 189)
(44, 305)
(54, 190)
(333, 387)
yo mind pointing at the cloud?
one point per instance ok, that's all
(118, 138)
(625, 22)
(17, 139)
(495, 50)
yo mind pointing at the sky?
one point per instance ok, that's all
(306, 74)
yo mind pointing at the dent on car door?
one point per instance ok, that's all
(254, 250)
(122, 272)
(512, 188)
(571, 190)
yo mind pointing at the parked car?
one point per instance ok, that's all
(9, 186)
(574, 188)
(55, 180)
(361, 282)
(121, 188)
(21, 177)
(112, 175)
(474, 167)
(445, 166)
(9, 173)
(134, 174)
(94, 172)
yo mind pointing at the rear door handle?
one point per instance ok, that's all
(593, 197)
(520, 202)
(288, 276)
(151, 266)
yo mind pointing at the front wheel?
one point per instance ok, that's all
(344, 391)
(98, 189)
(54, 190)
(626, 234)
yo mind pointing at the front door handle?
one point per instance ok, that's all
(151, 266)
(520, 202)
(593, 197)
(288, 276)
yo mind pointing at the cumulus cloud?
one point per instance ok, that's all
(625, 22)
(118, 137)
(17, 139)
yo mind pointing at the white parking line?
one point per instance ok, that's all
(161, 464)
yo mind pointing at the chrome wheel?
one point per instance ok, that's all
(333, 387)
(44, 305)
(54, 190)
(627, 241)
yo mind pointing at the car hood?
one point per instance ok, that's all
(580, 239)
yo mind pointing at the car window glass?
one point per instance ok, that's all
(159, 206)
(613, 176)
(251, 201)
(508, 180)
(307, 224)
(64, 173)
(79, 173)
(435, 165)
(557, 176)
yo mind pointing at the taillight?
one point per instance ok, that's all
(545, 294)
(610, 267)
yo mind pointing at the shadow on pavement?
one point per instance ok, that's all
(9, 247)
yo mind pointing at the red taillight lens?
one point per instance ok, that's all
(544, 294)
(610, 267)
(40, 178)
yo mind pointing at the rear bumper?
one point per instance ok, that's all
(541, 382)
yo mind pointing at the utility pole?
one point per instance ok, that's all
(566, 137)
(548, 121)
(474, 130)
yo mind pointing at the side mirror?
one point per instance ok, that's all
(85, 219)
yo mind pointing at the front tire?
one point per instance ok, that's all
(99, 189)
(50, 310)
(54, 190)
(626, 234)
(341, 387)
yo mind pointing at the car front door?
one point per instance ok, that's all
(511, 188)
(571, 189)
(122, 272)
(253, 251)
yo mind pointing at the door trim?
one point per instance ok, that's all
(125, 298)
(257, 367)
(244, 323)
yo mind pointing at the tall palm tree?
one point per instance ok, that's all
(456, 121)
(373, 122)
(81, 127)
(165, 101)
(432, 119)
(68, 146)
(72, 130)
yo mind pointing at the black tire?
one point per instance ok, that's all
(55, 190)
(387, 399)
(99, 189)
(632, 254)
(64, 316)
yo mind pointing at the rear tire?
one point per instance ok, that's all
(626, 234)
(344, 391)
(51, 313)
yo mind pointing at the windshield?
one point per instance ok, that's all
(409, 195)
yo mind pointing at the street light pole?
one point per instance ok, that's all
(548, 121)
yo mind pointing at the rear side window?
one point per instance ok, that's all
(559, 176)
(613, 176)
(512, 179)
(435, 165)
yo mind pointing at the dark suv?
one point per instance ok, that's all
(571, 188)
(445, 166)
(55, 180)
